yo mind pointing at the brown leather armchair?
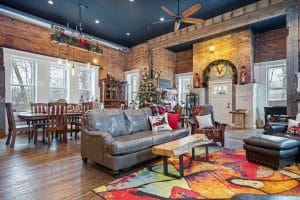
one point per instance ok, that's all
(215, 133)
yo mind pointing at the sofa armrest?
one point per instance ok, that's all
(106, 137)
(221, 126)
(273, 128)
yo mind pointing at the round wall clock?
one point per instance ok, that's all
(156, 75)
(219, 70)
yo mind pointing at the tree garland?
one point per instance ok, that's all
(206, 71)
(61, 37)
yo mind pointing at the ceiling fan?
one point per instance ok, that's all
(182, 17)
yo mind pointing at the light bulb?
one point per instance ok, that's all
(212, 48)
(73, 71)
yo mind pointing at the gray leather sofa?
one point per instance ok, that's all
(119, 139)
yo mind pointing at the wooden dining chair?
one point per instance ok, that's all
(14, 129)
(87, 106)
(56, 121)
(73, 120)
(39, 124)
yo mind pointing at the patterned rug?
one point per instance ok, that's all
(227, 173)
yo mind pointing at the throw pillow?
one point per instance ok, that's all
(173, 120)
(160, 123)
(291, 125)
(157, 110)
(204, 121)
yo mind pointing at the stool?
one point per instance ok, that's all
(272, 151)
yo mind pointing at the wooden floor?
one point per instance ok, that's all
(40, 172)
(31, 171)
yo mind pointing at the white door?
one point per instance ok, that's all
(220, 97)
(133, 86)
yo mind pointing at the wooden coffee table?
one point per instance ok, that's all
(178, 148)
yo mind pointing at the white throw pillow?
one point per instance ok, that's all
(298, 117)
(160, 123)
(291, 125)
(204, 121)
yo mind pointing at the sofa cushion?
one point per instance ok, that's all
(136, 120)
(272, 142)
(108, 120)
(131, 143)
(162, 137)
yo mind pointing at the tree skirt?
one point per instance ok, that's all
(227, 173)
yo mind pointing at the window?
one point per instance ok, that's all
(85, 86)
(276, 77)
(57, 82)
(22, 82)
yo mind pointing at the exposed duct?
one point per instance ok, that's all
(48, 24)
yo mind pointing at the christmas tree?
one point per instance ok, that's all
(147, 93)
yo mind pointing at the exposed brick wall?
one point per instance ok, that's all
(234, 47)
(138, 58)
(184, 62)
(27, 37)
(165, 61)
(271, 45)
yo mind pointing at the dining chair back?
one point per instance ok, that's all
(87, 106)
(13, 130)
(57, 120)
(39, 107)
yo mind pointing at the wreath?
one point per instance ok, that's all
(227, 63)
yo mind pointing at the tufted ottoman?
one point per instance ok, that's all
(272, 151)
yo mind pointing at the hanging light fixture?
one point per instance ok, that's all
(211, 47)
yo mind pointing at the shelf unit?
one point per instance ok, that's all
(113, 93)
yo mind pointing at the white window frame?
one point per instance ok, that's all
(34, 70)
(65, 88)
(268, 86)
(130, 94)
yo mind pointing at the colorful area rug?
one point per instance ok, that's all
(227, 173)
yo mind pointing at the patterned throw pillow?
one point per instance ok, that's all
(160, 123)
(204, 121)
(293, 127)
(157, 110)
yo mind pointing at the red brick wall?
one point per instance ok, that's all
(138, 57)
(165, 61)
(271, 45)
(27, 37)
(234, 47)
(184, 62)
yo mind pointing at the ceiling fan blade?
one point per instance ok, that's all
(191, 10)
(169, 12)
(193, 20)
(160, 22)
(176, 26)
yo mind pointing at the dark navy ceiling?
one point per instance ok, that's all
(118, 17)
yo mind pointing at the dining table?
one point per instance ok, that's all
(34, 118)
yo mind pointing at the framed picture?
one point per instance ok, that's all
(165, 84)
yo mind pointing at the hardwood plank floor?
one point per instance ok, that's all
(31, 171)
(40, 172)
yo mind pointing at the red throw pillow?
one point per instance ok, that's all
(173, 120)
(161, 110)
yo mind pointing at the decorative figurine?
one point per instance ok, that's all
(197, 81)
(243, 75)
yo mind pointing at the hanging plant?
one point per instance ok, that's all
(61, 37)
(206, 71)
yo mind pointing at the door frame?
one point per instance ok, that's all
(130, 73)
(225, 81)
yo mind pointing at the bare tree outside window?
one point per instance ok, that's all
(22, 83)
(57, 83)
(84, 80)
(276, 84)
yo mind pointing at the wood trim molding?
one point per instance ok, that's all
(259, 11)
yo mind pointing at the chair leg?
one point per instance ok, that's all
(65, 136)
(49, 138)
(8, 138)
(12, 144)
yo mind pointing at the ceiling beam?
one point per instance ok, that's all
(239, 18)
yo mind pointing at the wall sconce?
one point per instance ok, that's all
(95, 61)
(212, 48)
